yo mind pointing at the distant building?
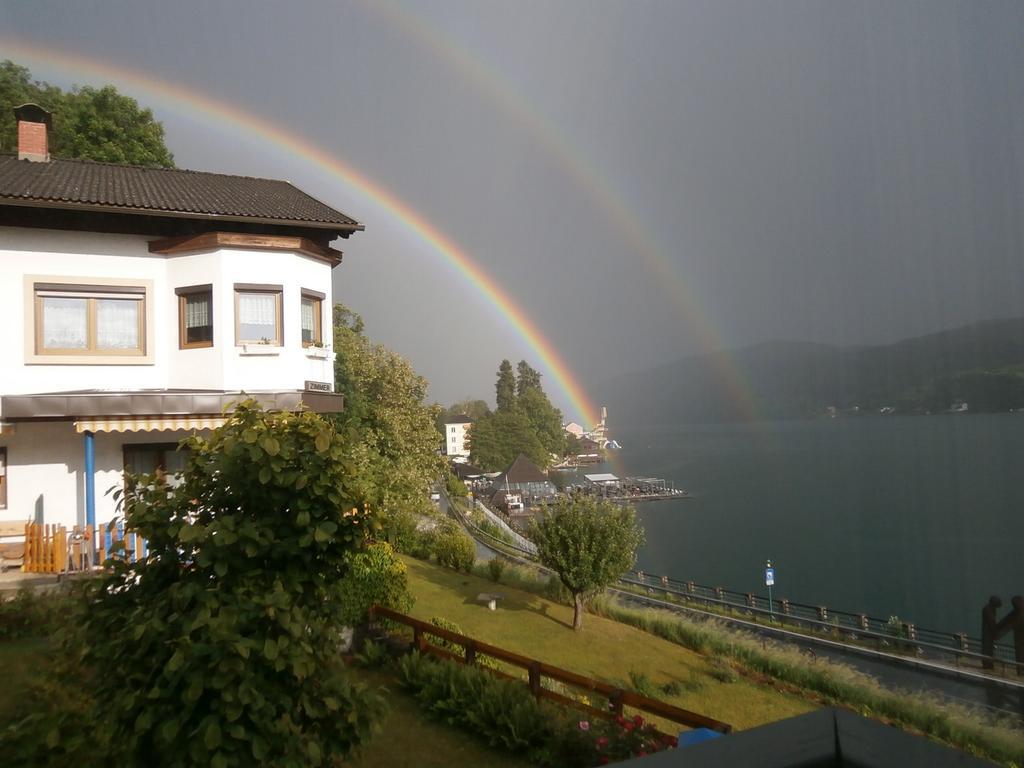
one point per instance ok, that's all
(456, 436)
(526, 478)
(574, 429)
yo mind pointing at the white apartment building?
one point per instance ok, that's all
(456, 436)
(137, 305)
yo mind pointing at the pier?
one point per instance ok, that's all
(629, 489)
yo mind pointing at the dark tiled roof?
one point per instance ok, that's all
(522, 470)
(460, 419)
(162, 191)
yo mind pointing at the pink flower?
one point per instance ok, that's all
(584, 725)
(602, 741)
(628, 726)
(637, 720)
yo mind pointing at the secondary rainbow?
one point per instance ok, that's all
(172, 96)
(545, 132)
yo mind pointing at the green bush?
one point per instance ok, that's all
(482, 661)
(375, 575)
(454, 548)
(34, 613)
(373, 655)
(642, 684)
(495, 567)
(219, 648)
(501, 712)
(399, 530)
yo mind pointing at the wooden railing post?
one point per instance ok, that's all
(615, 702)
(470, 648)
(534, 671)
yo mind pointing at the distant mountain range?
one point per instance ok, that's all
(981, 365)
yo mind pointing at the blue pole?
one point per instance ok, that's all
(90, 480)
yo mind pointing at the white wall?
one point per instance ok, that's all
(455, 442)
(224, 366)
(46, 471)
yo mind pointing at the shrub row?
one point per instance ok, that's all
(505, 715)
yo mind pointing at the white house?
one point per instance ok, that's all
(138, 304)
(456, 436)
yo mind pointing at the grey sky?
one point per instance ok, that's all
(841, 171)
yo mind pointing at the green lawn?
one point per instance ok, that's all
(605, 649)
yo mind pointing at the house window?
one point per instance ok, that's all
(258, 314)
(195, 316)
(152, 458)
(89, 320)
(312, 314)
(3, 478)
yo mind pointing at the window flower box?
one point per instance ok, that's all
(261, 349)
(318, 353)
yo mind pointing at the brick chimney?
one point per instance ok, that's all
(33, 133)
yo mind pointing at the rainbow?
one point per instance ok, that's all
(175, 97)
(563, 150)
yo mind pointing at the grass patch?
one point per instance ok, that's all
(727, 651)
(607, 650)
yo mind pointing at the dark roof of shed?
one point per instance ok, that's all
(82, 184)
(522, 470)
(460, 419)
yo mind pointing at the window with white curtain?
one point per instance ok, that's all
(258, 316)
(195, 316)
(311, 320)
(90, 320)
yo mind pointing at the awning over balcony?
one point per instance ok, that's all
(148, 423)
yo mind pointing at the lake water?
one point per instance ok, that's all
(917, 516)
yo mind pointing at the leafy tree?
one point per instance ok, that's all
(527, 378)
(218, 647)
(589, 543)
(545, 421)
(396, 450)
(506, 387)
(495, 442)
(88, 124)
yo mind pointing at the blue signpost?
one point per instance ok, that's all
(769, 581)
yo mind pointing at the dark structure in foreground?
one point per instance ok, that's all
(829, 738)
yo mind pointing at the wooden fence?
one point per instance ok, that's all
(46, 548)
(50, 549)
(537, 670)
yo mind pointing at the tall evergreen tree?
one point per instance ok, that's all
(506, 387)
(527, 378)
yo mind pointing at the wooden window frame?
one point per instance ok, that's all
(183, 295)
(3, 476)
(278, 293)
(161, 449)
(318, 317)
(42, 291)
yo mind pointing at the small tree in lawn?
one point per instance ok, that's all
(588, 543)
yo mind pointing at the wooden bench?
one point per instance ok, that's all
(12, 553)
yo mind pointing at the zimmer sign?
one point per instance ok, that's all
(318, 386)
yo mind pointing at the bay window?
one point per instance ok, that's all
(258, 314)
(312, 315)
(195, 316)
